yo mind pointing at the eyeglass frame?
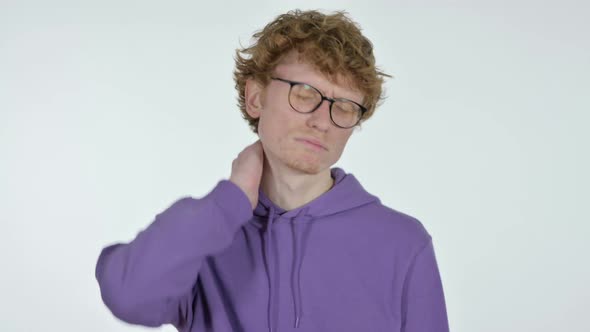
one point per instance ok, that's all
(330, 100)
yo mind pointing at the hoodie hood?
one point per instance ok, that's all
(346, 194)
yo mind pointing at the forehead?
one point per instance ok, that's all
(293, 67)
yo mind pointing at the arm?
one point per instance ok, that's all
(150, 280)
(423, 302)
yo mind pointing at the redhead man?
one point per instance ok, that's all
(287, 243)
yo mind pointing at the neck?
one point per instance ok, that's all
(290, 189)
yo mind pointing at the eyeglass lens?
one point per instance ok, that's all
(304, 99)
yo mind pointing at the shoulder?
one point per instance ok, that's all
(402, 227)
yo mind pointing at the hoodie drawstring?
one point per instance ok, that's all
(299, 235)
(269, 262)
(298, 253)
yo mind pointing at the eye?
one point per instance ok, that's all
(346, 107)
(305, 92)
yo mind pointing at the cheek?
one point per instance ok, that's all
(275, 125)
(272, 133)
(342, 140)
(340, 145)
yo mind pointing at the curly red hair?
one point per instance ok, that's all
(333, 43)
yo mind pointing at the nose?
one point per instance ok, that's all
(320, 118)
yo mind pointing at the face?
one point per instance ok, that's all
(287, 135)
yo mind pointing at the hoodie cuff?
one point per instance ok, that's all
(233, 201)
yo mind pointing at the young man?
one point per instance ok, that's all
(287, 242)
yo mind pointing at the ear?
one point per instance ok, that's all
(253, 95)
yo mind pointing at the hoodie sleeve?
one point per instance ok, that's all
(150, 280)
(423, 302)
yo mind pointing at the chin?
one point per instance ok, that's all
(304, 167)
(305, 163)
(298, 158)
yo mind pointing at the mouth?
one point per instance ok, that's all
(312, 143)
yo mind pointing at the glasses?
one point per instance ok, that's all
(304, 98)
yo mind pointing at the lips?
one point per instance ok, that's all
(313, 142)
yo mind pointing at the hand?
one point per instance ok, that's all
(246, 171)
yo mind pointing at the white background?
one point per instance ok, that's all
(111, 110)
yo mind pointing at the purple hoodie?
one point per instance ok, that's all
(342, 262)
